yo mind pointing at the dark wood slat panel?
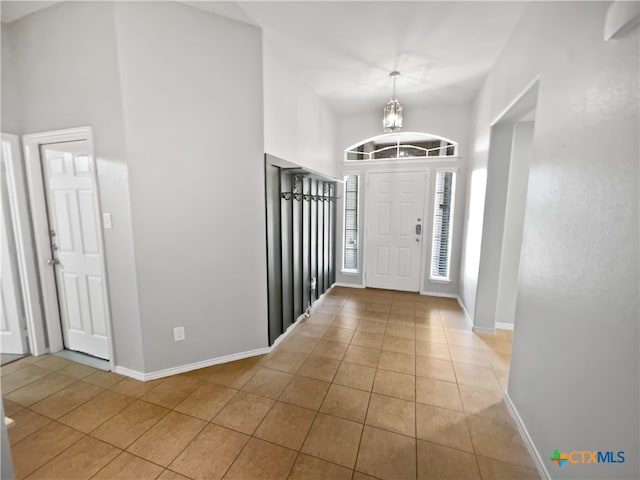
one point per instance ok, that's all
(320, 241)
(296, 248)
(327, 246)
(306, 246)
(332, 235)
(286, 227)
(313, 234)
(300, 241)
(274, 252)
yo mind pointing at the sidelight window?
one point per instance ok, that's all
(442, 225)
(350, 258)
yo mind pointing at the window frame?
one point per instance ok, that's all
(358, 269)
(407, 144)
(452, 218)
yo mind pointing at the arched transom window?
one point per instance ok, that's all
(401, 145)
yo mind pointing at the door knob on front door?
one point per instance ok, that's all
(53, 261)
(418, 229)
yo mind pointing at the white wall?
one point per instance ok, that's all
(9, 122)
(575, 364)
(192, 102)
(298, 125)
(449, 121)
(66, 72)
(174, 97)
(516, 201)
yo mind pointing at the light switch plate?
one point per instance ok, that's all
(106, 221)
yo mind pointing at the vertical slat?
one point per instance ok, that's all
(332, 235)
(313, 234)
(320, 241)
(327, 246)
(306, 245)
(297, 248)
(286, 227)
(274, 252)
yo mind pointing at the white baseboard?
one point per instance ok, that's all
(504, 326)
(526, 438)
(127, 372)
(348, 285)
(467, 317)
(190, 366)
(438, 294)
(288, 331)
(213, 361)
(485, 330)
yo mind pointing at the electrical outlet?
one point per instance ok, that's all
(178, 334)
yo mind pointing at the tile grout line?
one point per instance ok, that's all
(83, 435)
(58, 418)
(317, 412)
(415, 410)
(446, 331)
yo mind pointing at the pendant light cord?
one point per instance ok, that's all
(394, 75)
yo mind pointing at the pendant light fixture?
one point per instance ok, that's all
(392, 116)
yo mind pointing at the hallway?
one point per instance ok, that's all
(375, 384)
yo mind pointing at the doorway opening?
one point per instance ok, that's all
(393, 232)
(510, 152)
(69, 246)
(18, 292)
(399, 213)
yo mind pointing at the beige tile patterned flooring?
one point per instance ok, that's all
(375, 384)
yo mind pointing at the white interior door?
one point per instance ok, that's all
(393, 234)
(73, 222)
(13, 335)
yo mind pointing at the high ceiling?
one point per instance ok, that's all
(345, 50)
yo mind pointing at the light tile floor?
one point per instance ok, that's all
(375, 384)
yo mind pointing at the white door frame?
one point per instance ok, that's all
(495, 206)
(33, 162)
(420, 170)
(24, 247)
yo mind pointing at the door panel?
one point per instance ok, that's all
(12, 328)
(382, 261)
(71, 208)
(395, 205)
(404, 262)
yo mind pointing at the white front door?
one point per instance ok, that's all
(393, 234)
(75, 250)
(13, 337)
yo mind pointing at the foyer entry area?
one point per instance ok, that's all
(374, 384)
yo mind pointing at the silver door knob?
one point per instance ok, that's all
(53, 261)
